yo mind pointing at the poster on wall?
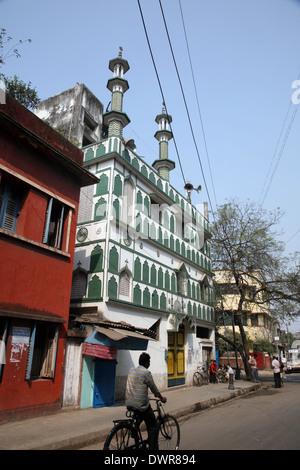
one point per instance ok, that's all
(20, 335)
(20, 342)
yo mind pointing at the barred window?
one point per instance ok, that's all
(124, 288)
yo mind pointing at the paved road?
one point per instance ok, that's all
(268, 419)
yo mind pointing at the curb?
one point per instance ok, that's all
(205, 404)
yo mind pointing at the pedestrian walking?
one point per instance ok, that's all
(253, 364)
(276, 372)
(281, 370)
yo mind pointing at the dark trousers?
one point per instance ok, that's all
(151, 424)
(213, 377)
(277, 380)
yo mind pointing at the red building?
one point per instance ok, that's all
(41, 175)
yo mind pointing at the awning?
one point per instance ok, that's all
(117, 334)
(98, 350)
(118, 339)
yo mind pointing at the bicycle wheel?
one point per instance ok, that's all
(121, 437)
(205, 379)
(168, 433)
(197, 379)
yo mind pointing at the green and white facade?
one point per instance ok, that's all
(142, 251)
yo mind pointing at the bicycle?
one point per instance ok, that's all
(127, 435)
(221, 376)
(200, 377)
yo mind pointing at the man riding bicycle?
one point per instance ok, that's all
(138, 381)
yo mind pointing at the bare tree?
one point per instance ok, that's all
(247, 248)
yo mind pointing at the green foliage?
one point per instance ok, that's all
(21, 92)
(263, 345)
(225, 346)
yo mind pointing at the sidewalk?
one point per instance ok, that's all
(72, 429)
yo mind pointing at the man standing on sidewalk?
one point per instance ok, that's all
(253, 364)
(276, 371)
(138, 381)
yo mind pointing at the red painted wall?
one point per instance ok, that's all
(20, 398)
(35, 280)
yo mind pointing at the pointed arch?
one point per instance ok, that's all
(114, 260)
(112, 288)
(96, 259)
(125, 284)
(94, 289)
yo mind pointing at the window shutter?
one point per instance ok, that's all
(30, 353)
(124, 284)
(49, 353)
(47, 221)
(59, 228)
(9, 203)
(79, 285)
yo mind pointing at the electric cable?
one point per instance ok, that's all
(159, 83)
(197, 99)
(186, 107)
(287, 133)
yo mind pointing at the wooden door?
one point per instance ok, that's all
(176, 359)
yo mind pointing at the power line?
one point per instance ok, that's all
(159, 83)
(292, 236)
(199, 111)
(186, 107)
(287, 133)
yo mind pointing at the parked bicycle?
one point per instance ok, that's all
(221, 375)
(200, 377)
(127, 435)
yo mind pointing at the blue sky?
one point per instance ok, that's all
(245, 57)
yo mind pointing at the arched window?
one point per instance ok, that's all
(154, 299)
(124, 285)
(118, 186)
(112, 288)
(137, 295)
(102, 186)
(153, 275)
(94, 290)
(79, 283)
(113, 260)
(182, 277)
(146, 297)
(137, 270)
(96, 259)
(146, 272)
(100, 209)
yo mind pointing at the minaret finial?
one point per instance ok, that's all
(120, 51)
